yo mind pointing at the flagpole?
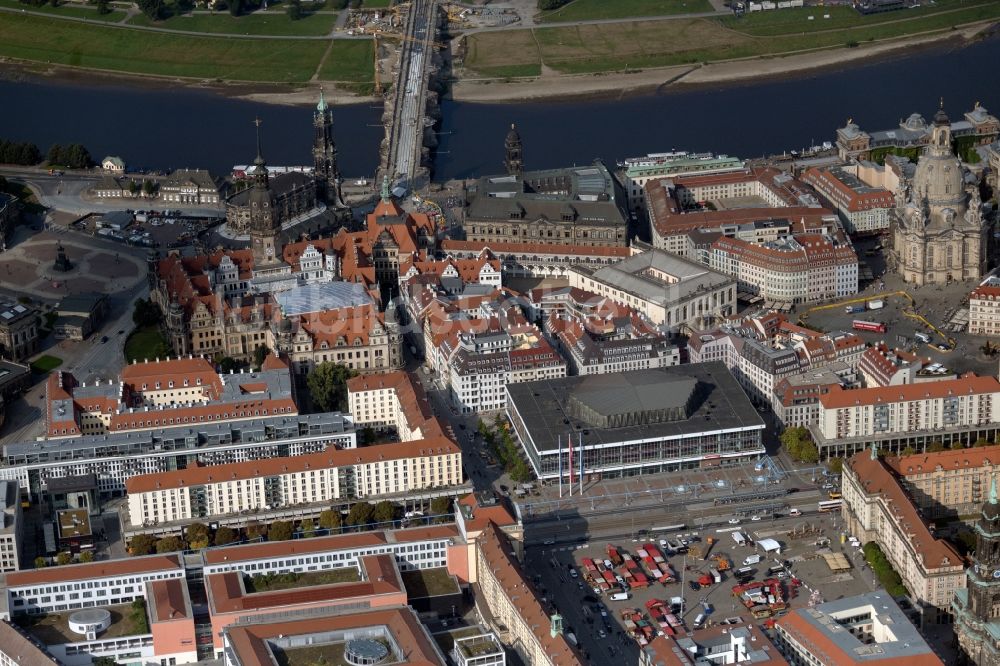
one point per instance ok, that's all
(559, 444)
(569, 440)
(581, 464)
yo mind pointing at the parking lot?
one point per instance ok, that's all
(803, 540)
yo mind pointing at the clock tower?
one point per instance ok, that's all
(977, 607)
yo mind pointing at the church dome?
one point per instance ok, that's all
(915, 122)
(939, 179)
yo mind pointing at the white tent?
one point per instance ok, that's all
(769, 545)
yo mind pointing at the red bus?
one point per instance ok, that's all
(874, 326)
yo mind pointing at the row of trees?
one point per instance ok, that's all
(72, 156)
(548, 5)
(198, 535)
(508, 453)
(887, 576)
(24, 153)
(64, 558)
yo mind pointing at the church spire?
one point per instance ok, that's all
(321, 106)
(993, 492)
(260, 153)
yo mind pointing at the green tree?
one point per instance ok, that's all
(935, 447)
(133, 187)
(328, 386)
(151, 8)
(255, 530)
(308, 526)
(235, 7)
(197, 535)
(982, 441)
(54, 156)
(226, 535)
(441, 506)
(793, 439)
(329, 519)
(102, 7)
(367, 436)
(64, 558)
(228, 364)
(149, 187)
(259, 354)
(76, 156)
(294, 10)
(957, 444)
(520, 471)
(104, 661)
(548, 5)
(908, 451)
(384, 512)
(87, 556)
(280, 530)
(360, 514)
(835, 465)
(41, 562)
(146, 313)
(142, 544)
(170, 544)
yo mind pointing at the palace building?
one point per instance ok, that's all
(571, 206)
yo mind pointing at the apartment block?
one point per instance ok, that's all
(12, 529)
(915, 414)
(392, 400)
(984, 308)
(205, 492)
(877, 508)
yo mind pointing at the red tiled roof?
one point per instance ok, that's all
(969, 384)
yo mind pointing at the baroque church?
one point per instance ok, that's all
(940, 233)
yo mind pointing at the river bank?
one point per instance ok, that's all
(552, 86)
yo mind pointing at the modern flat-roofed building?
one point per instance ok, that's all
(381, 470)
(115, 457)
(877, 508)
(646, 421)
(667, 289)
(917, 415)
(12, 529)
(108, 582)
(868, 629)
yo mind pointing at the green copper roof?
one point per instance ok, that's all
(385, 189)
(993, 492)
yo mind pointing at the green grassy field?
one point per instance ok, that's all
(141, 52)
(71, 11)
(272, 22)
(349, 60)
(376, 4)
(641, 44)
(146, 343)
(45, 364)
(588, 10)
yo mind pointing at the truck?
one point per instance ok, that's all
(739, 538)
(854, 309)
(876, 304)
(614, 555)
(716, 576)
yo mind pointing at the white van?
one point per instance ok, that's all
(751, 559)
(620, 596)
(922, 337)
(699, 621)
(794, 512)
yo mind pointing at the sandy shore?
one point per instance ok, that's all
(556, 86)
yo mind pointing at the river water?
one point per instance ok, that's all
(164, 129)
